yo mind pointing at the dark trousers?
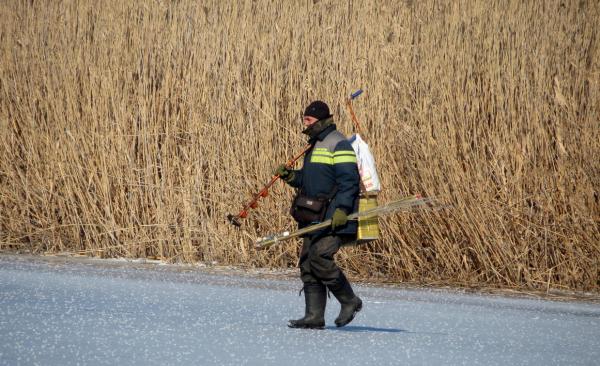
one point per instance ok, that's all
(316, 259)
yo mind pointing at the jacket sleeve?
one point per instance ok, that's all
(346, 176)
(296, 180)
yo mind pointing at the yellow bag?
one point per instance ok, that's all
(368, 228)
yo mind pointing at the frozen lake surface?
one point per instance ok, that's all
(68, 312)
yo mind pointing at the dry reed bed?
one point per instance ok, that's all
(132, 128)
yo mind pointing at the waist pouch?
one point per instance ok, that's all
(307, 210)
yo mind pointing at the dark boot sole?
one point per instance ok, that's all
(341, 324)
(305, 326)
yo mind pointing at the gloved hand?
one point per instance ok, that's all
(339, 218)
(284, 172)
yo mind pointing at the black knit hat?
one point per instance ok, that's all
(317, 109)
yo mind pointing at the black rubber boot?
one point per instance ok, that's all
(351, 304)
(315, 298)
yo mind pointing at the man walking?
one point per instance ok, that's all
(328, 188)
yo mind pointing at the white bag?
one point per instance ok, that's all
(366, 164)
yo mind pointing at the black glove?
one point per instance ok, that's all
(339, 218)
(284, 172)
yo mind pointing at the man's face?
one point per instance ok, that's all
(308, 120)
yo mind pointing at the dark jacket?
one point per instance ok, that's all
(329, 163)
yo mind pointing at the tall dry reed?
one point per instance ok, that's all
(131, 128)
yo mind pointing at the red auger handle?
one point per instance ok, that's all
(253, 204)
(293, 160)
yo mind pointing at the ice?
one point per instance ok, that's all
(64, 312)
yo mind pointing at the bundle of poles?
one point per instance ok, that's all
(405, 204)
